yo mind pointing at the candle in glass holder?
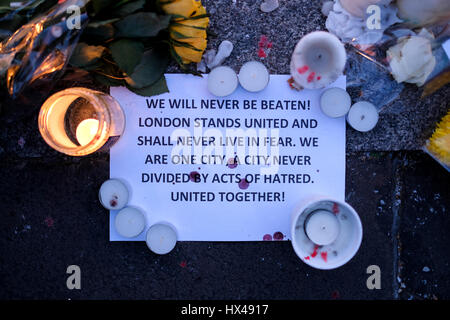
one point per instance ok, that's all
(80, 121)
(325, 233)
(222, 81)
(318, 60)
(161, 238)
(253, 76)
(363, 116)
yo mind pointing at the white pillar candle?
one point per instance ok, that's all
(161, 238)
(322, 227)
(86, 131)
(318, 60)
(129, 222)
(113, 194)
(222, 81)
(335, 102)
(254, 76)
(363, 116)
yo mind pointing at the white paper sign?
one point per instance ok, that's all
(227, 169)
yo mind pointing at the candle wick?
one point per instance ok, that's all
(363, 117)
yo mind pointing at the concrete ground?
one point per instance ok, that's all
(52, 217)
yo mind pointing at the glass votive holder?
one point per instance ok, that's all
(80, 121)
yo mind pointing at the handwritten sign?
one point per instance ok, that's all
(227, 169)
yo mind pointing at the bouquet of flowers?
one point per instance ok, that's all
(121, 42)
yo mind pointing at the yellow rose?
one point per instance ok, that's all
(187, 29)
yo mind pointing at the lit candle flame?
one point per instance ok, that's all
(86, 131)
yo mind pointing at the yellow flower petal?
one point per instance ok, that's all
(198, 43)
(198, 23)
(186, 32)
(188, 55)
(439, 143)
(184, 8)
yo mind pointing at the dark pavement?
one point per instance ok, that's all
(51, 217)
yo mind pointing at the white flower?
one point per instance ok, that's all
(411, 59)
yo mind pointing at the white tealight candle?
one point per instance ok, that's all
(322, 227)
(113, 194)
(318, 60)
(86, 131)
(161, 238)
(222, 81)
(335, 102)
(363, 116)
(254, 76)
(129, 222)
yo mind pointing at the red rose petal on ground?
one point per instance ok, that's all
(261, 53)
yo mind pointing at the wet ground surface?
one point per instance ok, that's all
(51, 217)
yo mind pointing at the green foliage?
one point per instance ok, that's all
(141, 25)
(127, 54)
(85, 56)
(125, 42)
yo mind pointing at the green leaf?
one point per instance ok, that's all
(142, 24)
(102, 23)
(129, 7)
(98, 34)
(127, 54)
(99, 5)
(108, 81)
(152, 66)
(159, 87)
(85, 55)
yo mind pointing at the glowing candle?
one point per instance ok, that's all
(363, 116)
(86, 131)
(69, 120)
(113, 194)
(161, 238)
(335, 102)
(222, 81)
(322, 227)
(129, 222)
(253, 76)
(318, 60)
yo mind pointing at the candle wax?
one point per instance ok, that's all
(161, 238)
(363, 116)
(129, 222)
(322, 227)
(222, 81)
(86, 131)
(335, 102)
(113, 194)
(318, 60)
(253, 76)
